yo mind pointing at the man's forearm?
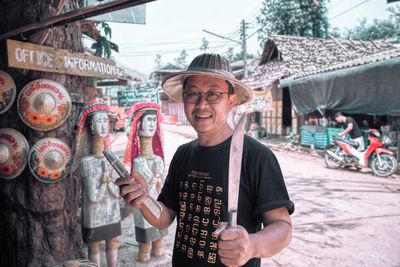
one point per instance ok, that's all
(271, 239)
(166, 218)
(348, 129)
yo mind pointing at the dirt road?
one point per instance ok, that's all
(342, 217)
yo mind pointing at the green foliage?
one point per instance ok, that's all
(158, 62)
(379, 29)
(229, 54)
(335, 32)
(292, 17)
(103, 46)
(180, 61)
(205, 45)
(239, 56)
(106, 28)
(293, 138)
(394, 14)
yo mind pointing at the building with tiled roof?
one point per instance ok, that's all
(293, 56)
(286, 60)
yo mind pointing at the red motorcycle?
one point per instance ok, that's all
(342, 153)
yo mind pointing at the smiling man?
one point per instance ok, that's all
(202, 96)
(196, 187)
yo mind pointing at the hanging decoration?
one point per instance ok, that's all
(8, 91)
(50, 160)
(14, 150)
(44, 104)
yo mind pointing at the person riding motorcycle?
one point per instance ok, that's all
(351, 127)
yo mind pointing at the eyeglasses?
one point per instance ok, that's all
(211, 97)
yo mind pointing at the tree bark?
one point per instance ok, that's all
(40, 224)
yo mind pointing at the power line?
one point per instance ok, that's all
(247, 38)
(347, 10)
(223, 37)
(154, 52)
(187, 41)
(251, 17)
(252, 34)
(337, 3)
(224, 42)
(131, 49)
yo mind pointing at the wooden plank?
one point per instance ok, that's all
(72, 16)
(36, 57)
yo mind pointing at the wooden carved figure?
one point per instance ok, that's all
(145, 154)
(100, 209)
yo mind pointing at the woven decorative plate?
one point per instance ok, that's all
(50, 160)
(44, 104)
(14, 151)
(8, 91)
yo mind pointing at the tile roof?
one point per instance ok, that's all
(295, 57)
(262, 76)
(393, 53)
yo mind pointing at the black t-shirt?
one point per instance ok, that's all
(196, 189)
(355, 132)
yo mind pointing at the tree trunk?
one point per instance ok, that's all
(40, 224)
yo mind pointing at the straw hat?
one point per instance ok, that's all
(206, 64)
(50, 160)
(44, 104)
(8, 91)
(13, 153)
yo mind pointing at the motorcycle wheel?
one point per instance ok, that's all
(330, 161)
(387, 167)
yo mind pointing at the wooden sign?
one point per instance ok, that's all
(128, 97)
(36, 57)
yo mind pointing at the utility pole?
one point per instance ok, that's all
(244, 48)
(242, 42)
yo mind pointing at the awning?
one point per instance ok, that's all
(372, 89)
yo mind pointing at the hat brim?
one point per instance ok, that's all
(35, 118)
(37, 163)
(173, 85)
(18, 148)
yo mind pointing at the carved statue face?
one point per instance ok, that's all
(149, 125)
(99, 124)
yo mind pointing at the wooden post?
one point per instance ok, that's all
(398, 147)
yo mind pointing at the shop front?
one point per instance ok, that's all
(369, 92)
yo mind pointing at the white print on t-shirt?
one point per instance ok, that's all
(199, 215)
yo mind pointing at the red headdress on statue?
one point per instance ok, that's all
(91, 108)
(82, 134)
(134, 116)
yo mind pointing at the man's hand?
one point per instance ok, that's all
(133, 189)
(234, 246)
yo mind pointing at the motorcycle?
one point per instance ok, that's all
(342, 153)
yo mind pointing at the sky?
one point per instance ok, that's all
(174, 25)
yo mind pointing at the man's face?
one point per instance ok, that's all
(99, 125)
(340, 119)
(208, 117)
(149, 125)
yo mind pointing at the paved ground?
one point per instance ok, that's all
(342, 217)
